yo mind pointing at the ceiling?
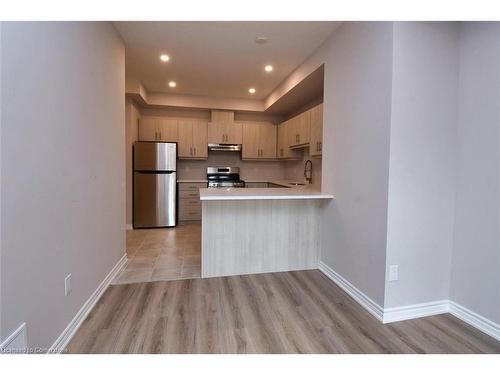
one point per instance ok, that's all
(218, 59)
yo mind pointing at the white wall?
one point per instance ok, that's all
(475, 277)
(422, 161)
(63, 181)
(132, 116)
(357, 110)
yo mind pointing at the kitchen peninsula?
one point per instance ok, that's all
(257, 230)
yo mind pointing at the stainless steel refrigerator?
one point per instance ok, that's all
(155, 184)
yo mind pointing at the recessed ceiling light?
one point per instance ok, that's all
(268, 68)
(251, 90)
(172, 84)
(261, 40)
(164, 57)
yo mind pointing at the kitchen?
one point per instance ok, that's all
(239, 155)
(249, 187)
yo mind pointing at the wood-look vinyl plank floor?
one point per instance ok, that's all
(286, 312)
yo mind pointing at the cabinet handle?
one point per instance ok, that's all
(190, 151)
(156, 136)
(160, 135)
(321, 146)
(195, 151)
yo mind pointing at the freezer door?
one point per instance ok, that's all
(155, 156)
(154, 200)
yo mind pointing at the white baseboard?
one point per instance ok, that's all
(16, 342)
(372, 307)
(63, 340)
(395, 314)
(477, 321)
(399, 313)
(129, 226)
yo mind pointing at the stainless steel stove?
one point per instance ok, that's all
(220, 177)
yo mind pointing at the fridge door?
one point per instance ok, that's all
(155, 156)
(154, 199)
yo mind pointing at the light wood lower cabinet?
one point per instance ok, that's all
(153, 128)
(189, 200)
(259, 140)
(316, 139)
(192, 139)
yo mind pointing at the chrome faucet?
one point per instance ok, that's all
(308, 171)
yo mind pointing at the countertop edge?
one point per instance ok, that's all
(268, 197)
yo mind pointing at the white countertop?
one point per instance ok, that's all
(192, 181)
(223, 194)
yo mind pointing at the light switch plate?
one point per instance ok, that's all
(393, 272)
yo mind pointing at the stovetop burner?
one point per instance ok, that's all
(220, 177)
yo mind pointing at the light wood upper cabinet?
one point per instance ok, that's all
(259, 140)
(301, 129)
(287, 132)
(222, 117)
(168, 129)
(223, 129)
(152, 128)
(148, 129)
(192, 139)
(316, 138)
(224, 133)
(200, 140)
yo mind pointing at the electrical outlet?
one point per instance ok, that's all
(393, 272)
(67, 285)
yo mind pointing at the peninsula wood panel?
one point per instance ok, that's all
(244, 237)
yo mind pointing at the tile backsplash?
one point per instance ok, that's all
(251, 170)
(196, 169)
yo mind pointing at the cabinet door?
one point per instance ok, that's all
(168, 129)
(316, 137)
(282, 141)
(223, 117)
(148, 128)
(267, 140)
(287, 133)
(185, 142)
(216, 133)
(293, 128)
(200, 147)
(250, 144)
(305, 127)
(234, 133)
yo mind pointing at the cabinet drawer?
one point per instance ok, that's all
(190, 202)
(190, 190)
(189, 210)
(189, 194)
(192, 185)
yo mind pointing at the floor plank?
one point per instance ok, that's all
(286, 312)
